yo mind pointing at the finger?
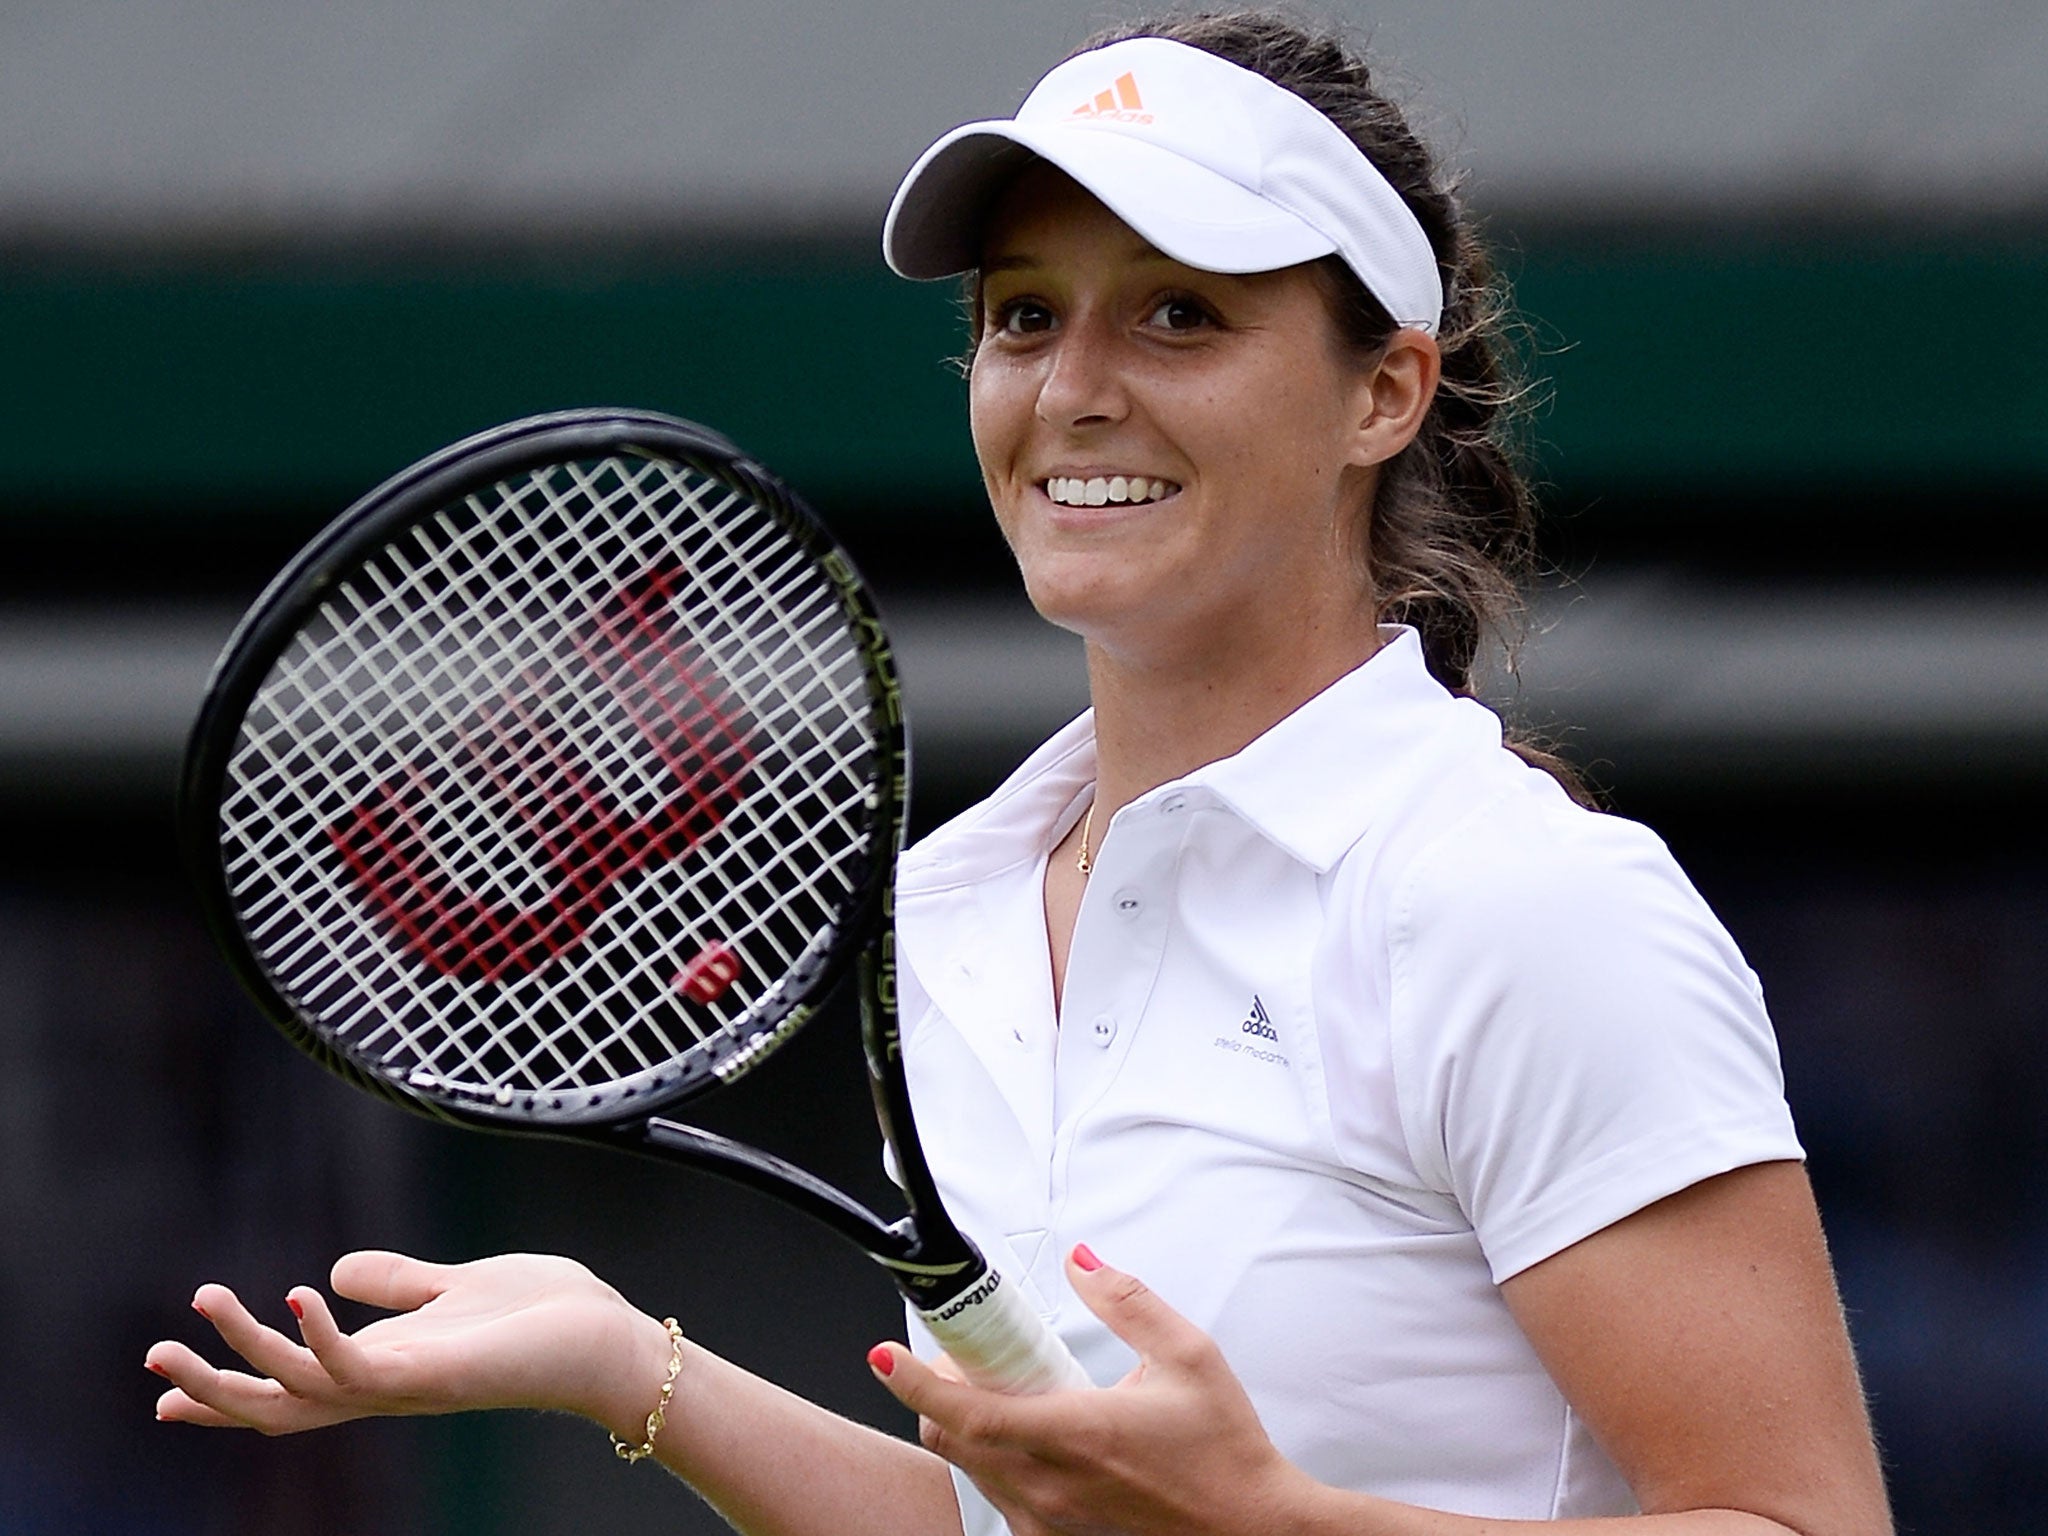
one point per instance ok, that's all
(203, 1394)
(175, 1407)
(954, 1413)
(394, 1281)
(339, 1355)
(259, 1403)
(272, 1353)
(1134, 1312)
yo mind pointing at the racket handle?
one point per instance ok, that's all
(998, 1340)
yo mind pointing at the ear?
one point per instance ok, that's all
(1395, 395)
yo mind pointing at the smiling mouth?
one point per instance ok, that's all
(1107, 490)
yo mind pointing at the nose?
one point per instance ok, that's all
(1083, 383)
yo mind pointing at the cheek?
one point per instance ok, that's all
(1273, 410)
(998, 409)
(992, 423)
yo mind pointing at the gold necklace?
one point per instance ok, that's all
(1083, 863)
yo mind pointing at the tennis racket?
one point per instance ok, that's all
(558, 782)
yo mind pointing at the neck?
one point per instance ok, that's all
(1157, 721)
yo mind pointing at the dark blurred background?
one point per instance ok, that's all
(1787, 272)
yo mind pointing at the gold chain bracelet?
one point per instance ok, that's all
(632, 1453)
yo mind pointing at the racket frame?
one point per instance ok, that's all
(931, 1260)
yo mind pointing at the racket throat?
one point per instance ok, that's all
(932, 1269)
(794, 1186)
(938, 1268)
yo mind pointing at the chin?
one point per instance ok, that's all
(1060, 607)
(1118, 620)
(1111, 587)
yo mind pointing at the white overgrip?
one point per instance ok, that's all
(999, 1341)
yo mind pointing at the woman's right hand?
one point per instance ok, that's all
(520, 1330)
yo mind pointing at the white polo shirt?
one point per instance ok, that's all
(1357, 1024)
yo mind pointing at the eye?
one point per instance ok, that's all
(1021, 317)
(1178, 312)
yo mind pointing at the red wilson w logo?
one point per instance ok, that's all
(412, 848)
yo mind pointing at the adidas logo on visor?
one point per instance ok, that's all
(1120, 103)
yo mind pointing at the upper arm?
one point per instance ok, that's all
(1702, 1342)
(1574, 1035)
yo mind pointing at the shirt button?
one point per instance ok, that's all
(1103, 1029)
(1173, 805)
(1128, 902)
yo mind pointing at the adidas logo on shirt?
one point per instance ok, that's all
(1258, 1024)
(1260, 1027)
(1120, 103)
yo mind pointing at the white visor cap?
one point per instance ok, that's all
(1216, 166)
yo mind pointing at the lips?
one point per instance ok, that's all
(1107, 490)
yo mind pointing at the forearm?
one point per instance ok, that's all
(775, 1464)
(1325, 1511)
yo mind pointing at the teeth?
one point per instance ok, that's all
(1098, 491)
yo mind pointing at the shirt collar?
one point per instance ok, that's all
(1318, 779)
(1014, 824)
(1312, 784)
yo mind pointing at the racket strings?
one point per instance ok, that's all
(563, 785)
(586, 839)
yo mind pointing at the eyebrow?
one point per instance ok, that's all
(1143, 250)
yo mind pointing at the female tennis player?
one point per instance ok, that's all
(1429, 1128)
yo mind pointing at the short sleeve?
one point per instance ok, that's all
(1574, 1034)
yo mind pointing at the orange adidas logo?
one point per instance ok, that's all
(1120, 103)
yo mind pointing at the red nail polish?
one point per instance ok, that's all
(1084, 1258)
(298, 1308)
(202, 1311)
(151, 1365)
(880, 1358)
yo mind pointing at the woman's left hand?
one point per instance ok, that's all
(1174, 1449)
